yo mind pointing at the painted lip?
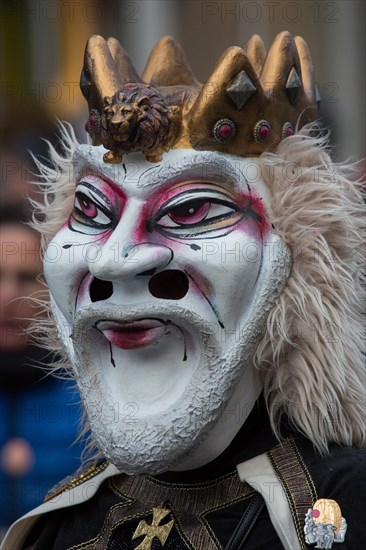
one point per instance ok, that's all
(132, 335)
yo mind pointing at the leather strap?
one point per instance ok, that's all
(246, 524)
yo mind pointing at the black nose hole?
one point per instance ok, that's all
(100, 290)
(147, 272)
(170, 284)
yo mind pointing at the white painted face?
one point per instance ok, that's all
(161, 282)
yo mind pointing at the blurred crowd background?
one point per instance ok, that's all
(42, 46)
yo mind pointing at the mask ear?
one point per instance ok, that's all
(107, 101)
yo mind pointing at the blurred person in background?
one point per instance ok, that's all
(37, 423)
(16, 173)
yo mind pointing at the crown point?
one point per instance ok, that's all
(293, 85)
(256, 52)
(168, 65)
(123, 64)
(241, 90)
(224, 130)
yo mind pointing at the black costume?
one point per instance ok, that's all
(339, 476)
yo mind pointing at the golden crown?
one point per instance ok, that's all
(251, 101)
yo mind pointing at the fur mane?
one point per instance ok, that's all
(154, 128)
(311, 351)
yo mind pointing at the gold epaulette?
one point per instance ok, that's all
(76, 479)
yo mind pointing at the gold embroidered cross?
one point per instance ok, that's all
(161, 532)
(189, 505)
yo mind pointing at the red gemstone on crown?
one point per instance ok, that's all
(262, 131)
(93, 122)
(287, 130)
(224, 129)
(315, 513)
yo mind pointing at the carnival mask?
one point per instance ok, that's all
(161, 281)
(169, 264)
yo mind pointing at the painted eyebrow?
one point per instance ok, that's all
(83, 165)
(205, 165)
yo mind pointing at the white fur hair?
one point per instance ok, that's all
(311, 351)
